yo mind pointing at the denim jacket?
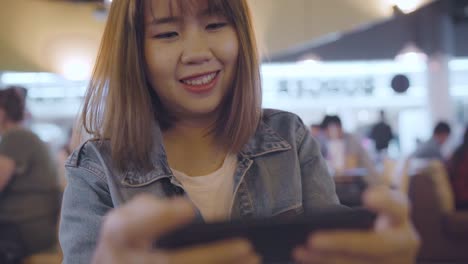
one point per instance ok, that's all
(280, 172)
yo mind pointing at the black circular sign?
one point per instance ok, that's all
(400, 83)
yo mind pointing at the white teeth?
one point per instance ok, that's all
(200, 80)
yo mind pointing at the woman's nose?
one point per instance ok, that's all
(196, 50)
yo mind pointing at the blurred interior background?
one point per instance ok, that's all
(309, 51)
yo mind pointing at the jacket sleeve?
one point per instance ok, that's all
(85, 201)
(318, 187)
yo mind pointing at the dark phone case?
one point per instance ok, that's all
(273, 239)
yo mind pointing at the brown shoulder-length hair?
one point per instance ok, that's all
(120, 103)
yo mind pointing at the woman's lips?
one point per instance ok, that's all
(201, 84)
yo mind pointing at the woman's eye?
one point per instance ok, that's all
(216, 26)
(167, 35)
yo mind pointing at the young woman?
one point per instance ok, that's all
(174, 107)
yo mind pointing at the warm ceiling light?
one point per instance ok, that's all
(76, 69)
(406, 6)
(107, 3)
(411, 54)
(310, 59)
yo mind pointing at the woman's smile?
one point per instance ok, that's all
(200, 83)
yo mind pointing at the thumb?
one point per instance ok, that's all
(392, 205)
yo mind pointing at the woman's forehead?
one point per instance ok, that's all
(173, 8)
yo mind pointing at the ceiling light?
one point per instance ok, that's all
(411, 54)
(407, 6)
(76, 69)
(310, 59)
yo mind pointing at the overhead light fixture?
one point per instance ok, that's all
(76, 69)
(405, 6)
(411, 54)
(310, 59)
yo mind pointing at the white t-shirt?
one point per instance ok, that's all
(337, 155)
(212, 193)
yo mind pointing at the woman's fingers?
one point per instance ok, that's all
(360, 247)
(369, 244)
(303, 255)
(144, 219)
(394, 239)
(129, 232)
(386, 203)
(229, 251)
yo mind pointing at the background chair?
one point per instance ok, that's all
(443, 231)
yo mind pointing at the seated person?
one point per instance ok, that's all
(29, 199)
(344, 151)
(431, 149)
(458, 171)
(319, 134)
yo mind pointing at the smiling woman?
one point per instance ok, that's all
(177, 52)
(174, 107)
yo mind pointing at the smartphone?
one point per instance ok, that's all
(274, 239)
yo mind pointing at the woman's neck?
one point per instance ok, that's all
(192, 149)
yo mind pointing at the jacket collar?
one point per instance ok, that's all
(264, 141)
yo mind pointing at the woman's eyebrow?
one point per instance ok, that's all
(165, 20)
(209, 12)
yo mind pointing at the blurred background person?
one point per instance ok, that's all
(431, 149)
(458, 171)
(316, 130)
(29, 196)
(381, 133)
(23, 93)
(324, 139)
(319, 134)
(344, 151)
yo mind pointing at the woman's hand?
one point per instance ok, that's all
(128, 233)
(392, 241)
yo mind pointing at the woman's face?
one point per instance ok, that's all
(334, 131)
(191, 60)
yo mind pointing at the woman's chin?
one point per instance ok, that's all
(199, 112)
